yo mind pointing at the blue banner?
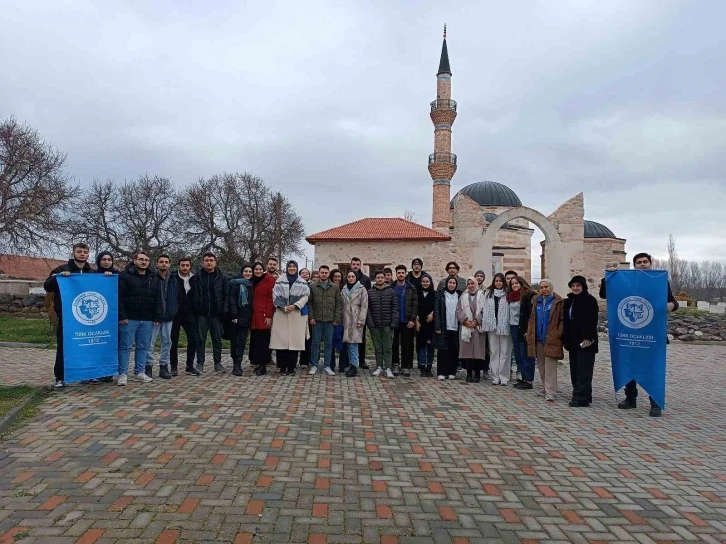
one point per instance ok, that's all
(637, 324)
(90, 325)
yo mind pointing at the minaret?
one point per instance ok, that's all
(442, 162)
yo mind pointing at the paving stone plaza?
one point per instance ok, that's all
(330, 459)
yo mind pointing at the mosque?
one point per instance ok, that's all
(485, 226)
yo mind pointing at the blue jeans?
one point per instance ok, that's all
(165, 329)
(425, 356)
(525, 363)
(322, 331)
(353, 354)
(138, 332)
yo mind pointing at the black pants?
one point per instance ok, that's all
(305, 355)
(582, 364)
(213, 326)
(187, 323)
(362, 350)
(448, 359)
(473, 365)
(403, 338)
(59, 367)
(287, 359)
(237, 344)
(631, 392)
(260, 352)
(343, 361)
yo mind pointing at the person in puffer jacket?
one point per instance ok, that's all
(239, 314)
(170, 305)
(383, 316)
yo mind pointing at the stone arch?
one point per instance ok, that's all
(558, 261)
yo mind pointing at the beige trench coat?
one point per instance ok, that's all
(355, 309)
(290, 330)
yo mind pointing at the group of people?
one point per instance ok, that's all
(468, 324)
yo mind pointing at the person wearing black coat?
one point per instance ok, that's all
(239, 314)
(78, 264)
(184, 319)
(382, 318)
(425, 326)
(446, 329)
(139, 309)
(580, 339)
(365, 281)
(208, 294)
(104, 265)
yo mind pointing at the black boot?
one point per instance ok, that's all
(260, 370)
(237, 368)
(628, 404)
(352, 372)
(174, 370)
(477, 376)
(164, 372)
(469, 376)
(148, 371)
(219, 368)
(192, 371)
(428, 372)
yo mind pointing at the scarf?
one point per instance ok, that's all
(493, 320)
(465, 302)
(243, 297)
(284, 294)
(514, 296)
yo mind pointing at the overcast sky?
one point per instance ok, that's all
(329, 102)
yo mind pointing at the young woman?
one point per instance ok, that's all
(580, 339)
(336, 278)
(355, 310)
(472, 339)
(262, 312)
(520, 308)
(290, 324)
(544, 336)
(239, 312)
(305, 354)
(425, 326)
(446, 329)
(104, 265)
(496, 324)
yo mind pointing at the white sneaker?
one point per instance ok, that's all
(142, 377)
(377, 371)
(122, 380)
(452, 377)
(442, 378)
(549, 398)
(389, 373)
(329, 371)
(313, 370)
(495, 382)
(540, 392)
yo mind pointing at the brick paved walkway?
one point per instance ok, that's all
(323, 459)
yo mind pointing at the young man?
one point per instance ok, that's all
(169, 305)
(325, 305)
(272, 266)
(452, 269)
(208, 292)
(388, 276)
(404, 332)
(77, 264)
(139, 311)
(642, 261)
(365, 281)
(417, 272)
(480, 276)
(508, 275)
(383, 315)
(184, 319)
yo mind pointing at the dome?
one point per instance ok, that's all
(597, 230)
(490, 193)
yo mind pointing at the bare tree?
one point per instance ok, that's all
(140, 214)
(409, 215)
(240, 218)
(34, 189)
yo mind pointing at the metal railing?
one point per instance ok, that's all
(443, 104)
(439, 158)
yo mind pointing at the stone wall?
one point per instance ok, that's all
(569, 219)
(688, 326)
(22, 304)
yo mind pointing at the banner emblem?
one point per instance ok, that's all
(90, 308)
(635, 312)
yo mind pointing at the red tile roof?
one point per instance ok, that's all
(27, 268)
(378, 228)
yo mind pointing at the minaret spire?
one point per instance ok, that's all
(442, 162)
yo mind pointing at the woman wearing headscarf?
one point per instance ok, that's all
(425, 325)
(290, 324)
(544, 336)
(446, 329)
(496, 324)
(355, 310)
(472, 338)
(520, 299)
(263, 310)
(239, 313)
(336, 278)
(104, 265)
(580, 339)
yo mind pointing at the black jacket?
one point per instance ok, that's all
(208, 293)
(169, 296)
(410, 299)
(364, 280)
(184, 309)
(51, 284)
(416, 282)
(440, 319)
(139, 296)
(243, 314)
(582, 324)
(383, 308)
(426, 305)
(525, 310)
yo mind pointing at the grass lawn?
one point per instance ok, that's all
(10, 397)
(26, 329)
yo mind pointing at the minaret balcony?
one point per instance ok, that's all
(442, 158)
(443, 112)
(443, 104)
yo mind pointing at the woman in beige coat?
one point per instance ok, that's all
(290, 322)
(355, 310)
